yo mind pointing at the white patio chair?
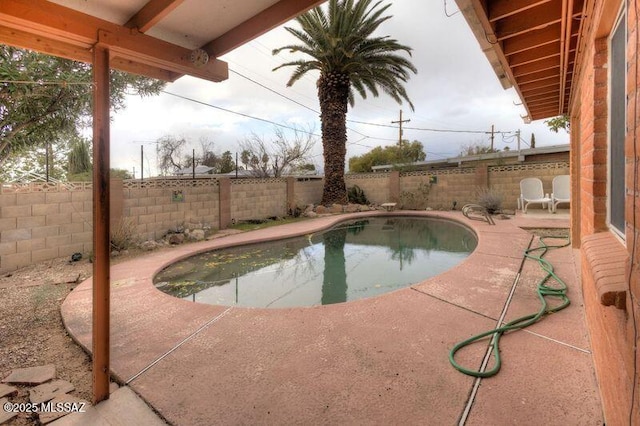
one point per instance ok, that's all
(561, 187)
(531, 192)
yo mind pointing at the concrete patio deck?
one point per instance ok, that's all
(382, 360)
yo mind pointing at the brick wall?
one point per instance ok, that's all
(609, 264)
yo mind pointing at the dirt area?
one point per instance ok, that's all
(31, 329)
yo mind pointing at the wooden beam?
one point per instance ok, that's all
(500, 9)
(537, 76)
(271, 17)
(539, 97)
(540, 85)
(537, 38)
(101, 217)
(533, 55)
(152, 13)
(61, 49)
(41, 18)
(530, 20)
(534, 67)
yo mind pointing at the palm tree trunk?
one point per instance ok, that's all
(333, 94)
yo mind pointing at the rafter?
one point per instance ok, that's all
(536, 38)
(152, 13)
(501, 9)
(545, 64)
(259, 24)
(530, 20)
(65, 27)
(533, 55)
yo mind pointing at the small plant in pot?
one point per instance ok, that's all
(490, 200)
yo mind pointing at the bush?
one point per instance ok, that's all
(123, 235)
(355, 195)
(490, 200)
(416, 200)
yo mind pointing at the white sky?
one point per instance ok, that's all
(455, 89)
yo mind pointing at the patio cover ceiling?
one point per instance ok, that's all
(156, 38)
(532, 46)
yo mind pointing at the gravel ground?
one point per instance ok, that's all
(31, 329)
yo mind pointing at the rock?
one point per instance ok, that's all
(31, 375)
(115, 253)
(148, 245)
(322, 210)
(364, 208)
(310, 214)
(308, 208)
(48, 391)
(175, 239)
(6, 390)
(197, 235)
(352, 208)
(337, 208)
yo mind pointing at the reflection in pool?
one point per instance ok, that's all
(353, 260)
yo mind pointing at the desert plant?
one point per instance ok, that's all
(489, 199)
(416, 200)
(355, 195)
(123, 235)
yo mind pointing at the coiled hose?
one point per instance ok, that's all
(559, 290)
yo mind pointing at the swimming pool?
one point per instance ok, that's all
(353, 260)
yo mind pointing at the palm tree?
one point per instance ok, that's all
(342, 48)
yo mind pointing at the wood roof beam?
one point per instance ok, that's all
(545, 64)
(501, 9)
(26, 40)
(64, 27)
(533, 55)
(540, 85)
(259, 24)
(536, 38)
(530, 20)
(152, 13)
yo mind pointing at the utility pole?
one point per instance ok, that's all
(141, 163)
(400, 121)
(492, 136)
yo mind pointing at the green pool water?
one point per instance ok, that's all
(353, 260)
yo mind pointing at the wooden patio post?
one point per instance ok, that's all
(101, 213)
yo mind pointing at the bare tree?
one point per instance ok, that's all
(278, 156)
(169, 154)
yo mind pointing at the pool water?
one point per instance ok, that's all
(354, 260)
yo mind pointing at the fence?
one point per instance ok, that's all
(43, 221)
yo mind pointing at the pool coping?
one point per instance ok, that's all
(152, 330)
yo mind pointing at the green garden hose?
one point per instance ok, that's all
(559, 291)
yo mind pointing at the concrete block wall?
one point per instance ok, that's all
(374, 185)
(505, 180)
(155, 207)
(38, 226)
(258, 198)
(450, 185)
(307, 191)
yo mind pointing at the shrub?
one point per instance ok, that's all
(416, 200)
(490, 200)
(355, 195)
(123, 235)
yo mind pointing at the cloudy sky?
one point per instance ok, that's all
(455, 89)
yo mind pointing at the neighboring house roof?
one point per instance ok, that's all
(199, 170)
(532, 45)
(521, 155)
